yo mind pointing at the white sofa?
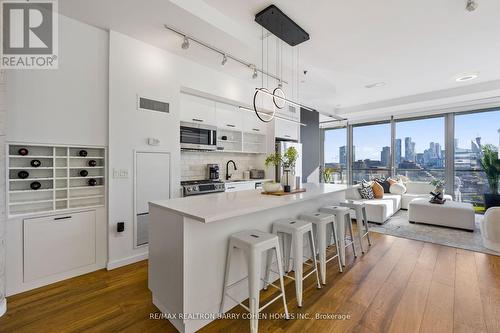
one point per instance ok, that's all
(490, 229)
(380, 210)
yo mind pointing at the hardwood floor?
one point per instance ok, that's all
(400, 285)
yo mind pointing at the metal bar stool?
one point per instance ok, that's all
(359, 208)
(296, 229)
(254, 243)
(342, 214)
(321, 221)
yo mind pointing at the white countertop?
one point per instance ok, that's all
(219, 206)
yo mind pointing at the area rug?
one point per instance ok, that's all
(399, 226)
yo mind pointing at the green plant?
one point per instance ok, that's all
(327, 174)
(287, 160)
(438, 183)
(491, 166)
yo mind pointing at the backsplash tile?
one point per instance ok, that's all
(194, 164)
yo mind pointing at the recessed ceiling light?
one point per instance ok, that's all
(375, 85)
(466, 77)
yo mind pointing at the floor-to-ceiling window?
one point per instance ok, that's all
(419, 149)
(472, 132)
(335, 152)
(371, 151)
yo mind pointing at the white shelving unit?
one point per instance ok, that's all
(62, 186)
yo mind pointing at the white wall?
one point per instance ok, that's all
(3, 220)
(139, 68)
(68, 105)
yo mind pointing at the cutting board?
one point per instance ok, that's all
(281, 193)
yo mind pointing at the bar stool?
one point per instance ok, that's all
(254, 243)
(359, 208)
(342, 214)
(296, 229)
(321, 221)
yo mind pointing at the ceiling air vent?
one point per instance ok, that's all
(147, 104)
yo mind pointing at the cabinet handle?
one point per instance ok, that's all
(62, 218)
(287, 136)
(231, 187)
(230, 125)
(256, 129)
(198, 120)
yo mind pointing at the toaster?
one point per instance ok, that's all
(257, 174)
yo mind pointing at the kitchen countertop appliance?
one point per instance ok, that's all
(257, 174)
(198, 136)
(213, 171)
(205, 186)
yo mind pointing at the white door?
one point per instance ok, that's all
(152, 182)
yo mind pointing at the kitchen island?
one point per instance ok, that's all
(188, 242)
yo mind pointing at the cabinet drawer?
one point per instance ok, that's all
(235, 187)
(58, 243)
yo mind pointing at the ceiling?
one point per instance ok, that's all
(416, 48)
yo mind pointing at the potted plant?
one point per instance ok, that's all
(287, 161)
(491, 166)
(438, 185)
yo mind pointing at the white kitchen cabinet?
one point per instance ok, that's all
(286, 129)
(236, 186)
(197, 110)
(229, 117)
(290, 112)
(252, 124)
(58, 243)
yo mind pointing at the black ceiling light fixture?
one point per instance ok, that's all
(280, 25)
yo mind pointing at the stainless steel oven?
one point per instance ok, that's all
(198, 136)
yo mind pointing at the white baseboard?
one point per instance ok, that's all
(126, 261)
(3, 306)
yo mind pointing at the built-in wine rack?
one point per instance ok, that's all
(53, 178)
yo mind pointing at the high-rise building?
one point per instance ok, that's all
(385, 156)
(409, 149)
(343, 156)
(397, 151)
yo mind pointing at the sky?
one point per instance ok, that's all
(369, 140)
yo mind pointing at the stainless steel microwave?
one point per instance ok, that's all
(198, 136)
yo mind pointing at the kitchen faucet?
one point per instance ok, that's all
(228, 176)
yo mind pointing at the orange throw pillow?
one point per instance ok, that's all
(392, 181)
(378, 190)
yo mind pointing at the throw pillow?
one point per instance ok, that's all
(398, 188)
(385, 184)
(366, 191)
(378, 190)
(391, 181)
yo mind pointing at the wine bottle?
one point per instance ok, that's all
(23, 151)
(92, 182)
(92, 163)
(35, 185)
(23, 174)
(84, 173)
(35, 163)
(82, 153)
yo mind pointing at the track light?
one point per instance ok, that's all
(254, 75)
(224, 60)
(185, 43)
(471, 5)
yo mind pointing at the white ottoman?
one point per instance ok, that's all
(450, 214)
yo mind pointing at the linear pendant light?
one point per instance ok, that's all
(294, 103)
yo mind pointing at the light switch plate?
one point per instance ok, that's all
(120, 173)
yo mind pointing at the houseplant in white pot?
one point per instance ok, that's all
(287, 161)
(491, 166)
